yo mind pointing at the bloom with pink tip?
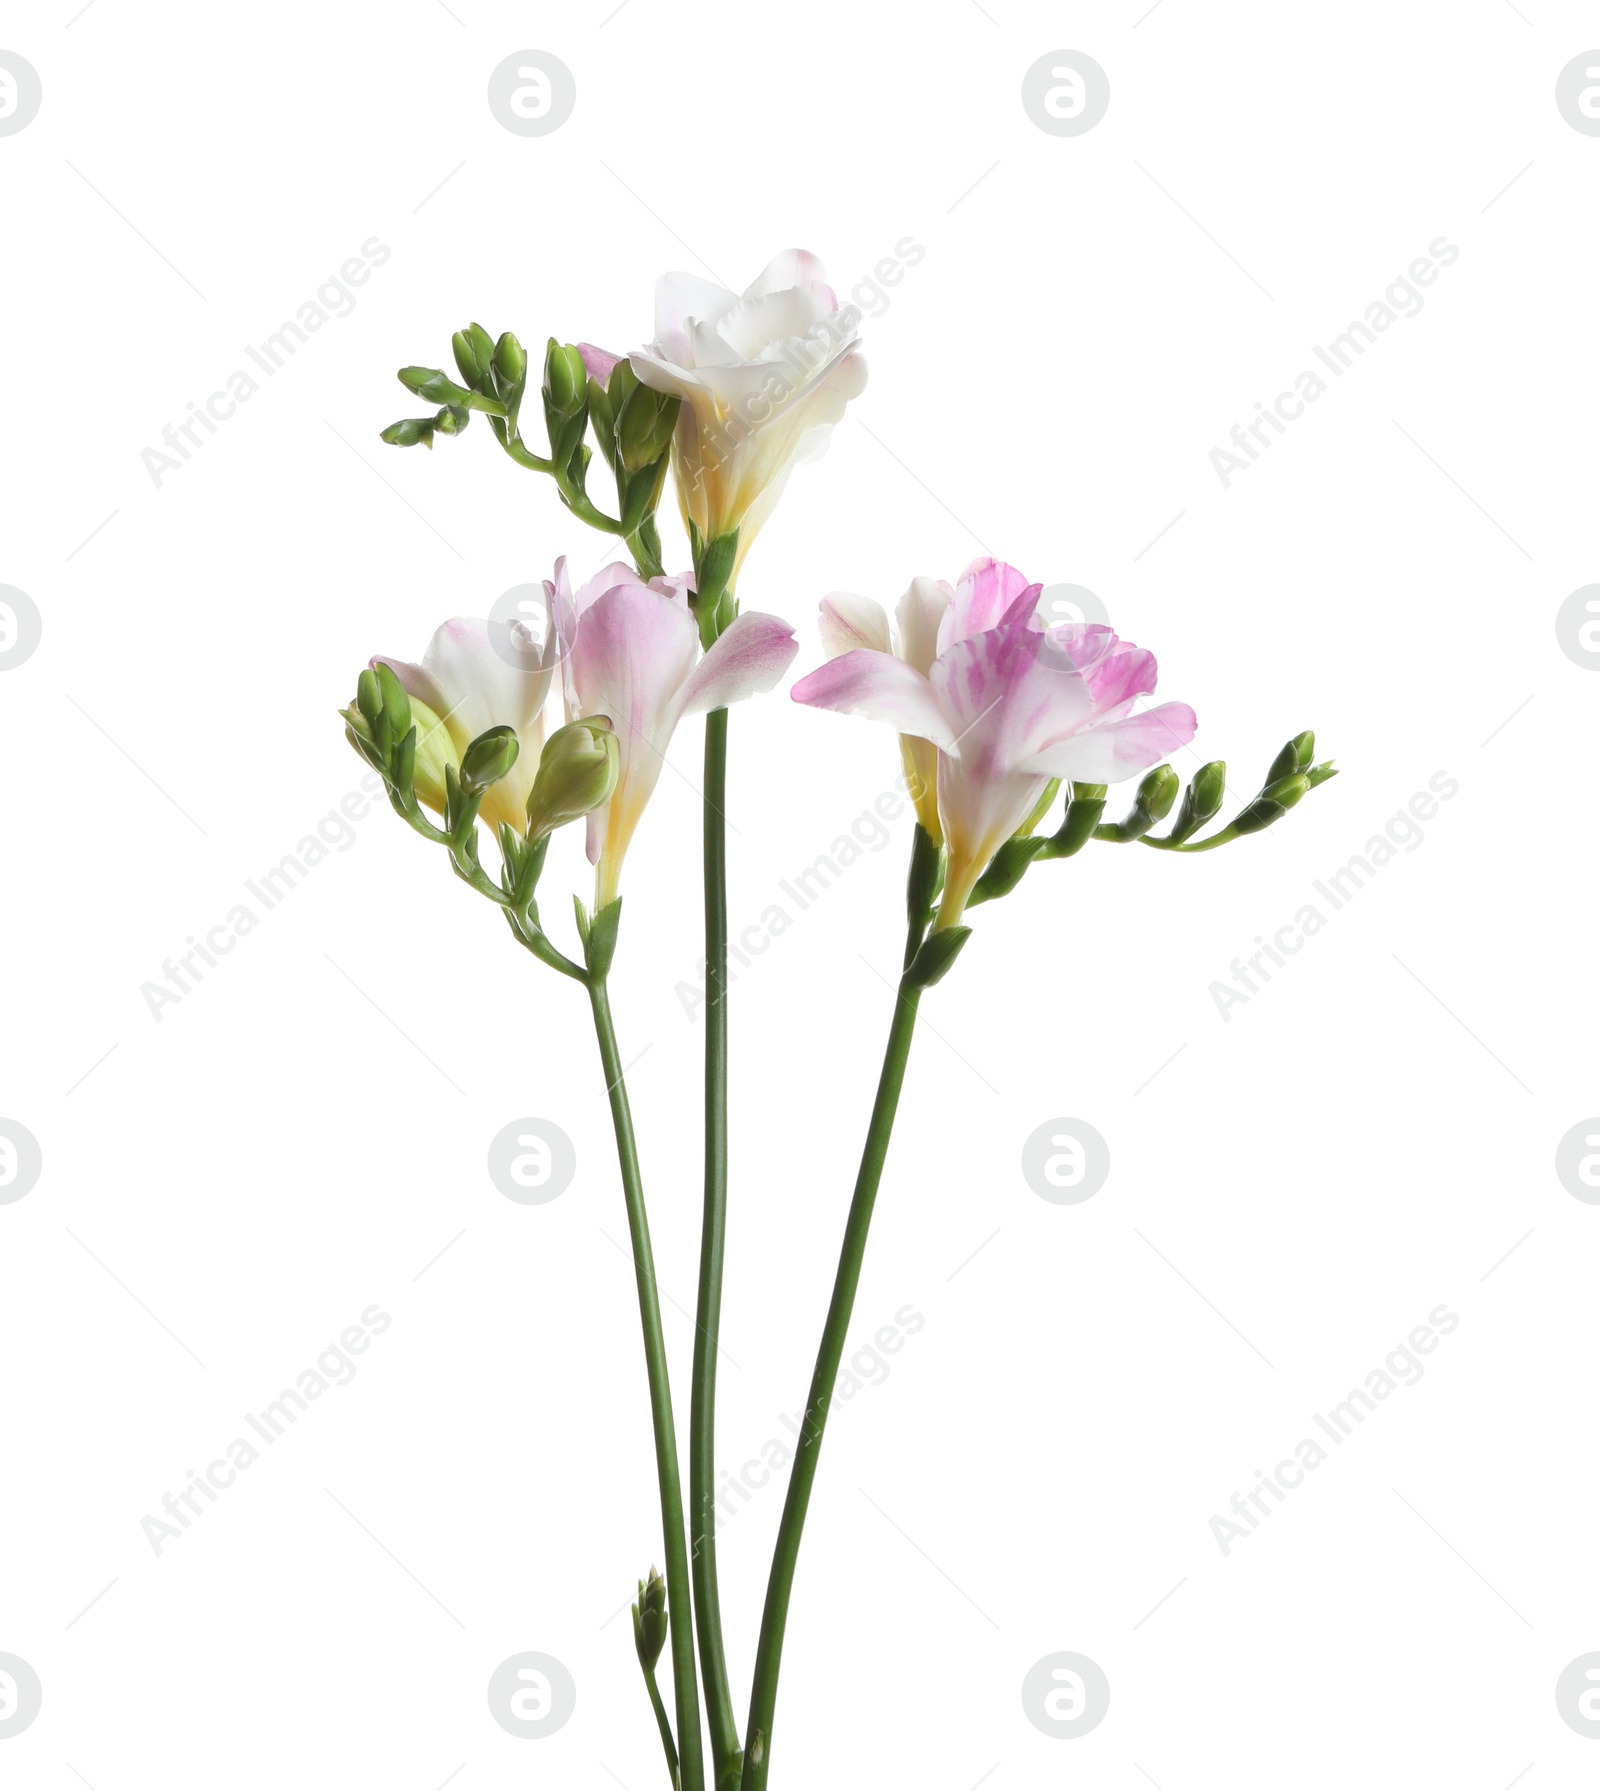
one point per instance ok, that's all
(636, 659)
(999, 703)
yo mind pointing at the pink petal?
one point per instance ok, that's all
(880, 687)
(748, 658)
(987, 589)
(598, 362)
(848, 621)
(1119, 749)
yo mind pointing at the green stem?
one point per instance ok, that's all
(663, 1723)
(769, 1649)
(680, 1627)
(708, 1315)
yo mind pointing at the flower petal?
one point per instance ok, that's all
(794, 267)
(680, 300)
(598, 362)
(849, 621)
(919, 613)
(881, 687)
(747, 658)
(1119, 749)
(987, 589)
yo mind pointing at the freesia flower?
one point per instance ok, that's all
(636, 659)
(975, 680)
(764, 377)
(471, 686)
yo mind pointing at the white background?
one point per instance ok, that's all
(301, 1136)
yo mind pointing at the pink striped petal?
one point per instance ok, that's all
(746, 659)
(882, 688)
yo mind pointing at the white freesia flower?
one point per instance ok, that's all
(763, 378)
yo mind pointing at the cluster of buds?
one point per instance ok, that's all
(1291, 775)
(632, 425)
(411, 749)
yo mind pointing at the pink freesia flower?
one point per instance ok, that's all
(635, 658)
(1001, 705)
(763, 376)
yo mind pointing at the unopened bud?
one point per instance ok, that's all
(1296, 756)
(488, 759)
(509, 360)
(1273, 802)
(430, 383)
(650, 1621)
(1158, 790)
(564, 378)
(369, 696)
(396, 704)
(1201, 801)
(644, 426)
(408, 432)
(465, 351)
(577, 774)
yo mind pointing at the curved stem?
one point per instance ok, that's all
(679, 1625)
(774, 1616)
(708, 1316)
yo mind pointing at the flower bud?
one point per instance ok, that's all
(369, 696)
(509, 360)
(577, 773)
(396, 704)
(1296, 756)
(1158, 790)
(465, 351)
(1201, 801)
(408, 432)
(430, 383)
(1273, 802)
(564, 378)
(488, 759)
(650, 1621)
(644, 427)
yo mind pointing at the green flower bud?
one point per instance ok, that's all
(369, 696)
(509, 360)
(408, 432)
(1296, 756)
(488, 759)
(430, 383)
(650, 1621)
(644, 426)
(1274, 802)
(564, 378)
(1210, 786)
(396, 704)
(1201, 801)
(1319, 774)
(1287, 791)
(1158, 790)
(577, 773)
(462, 347)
